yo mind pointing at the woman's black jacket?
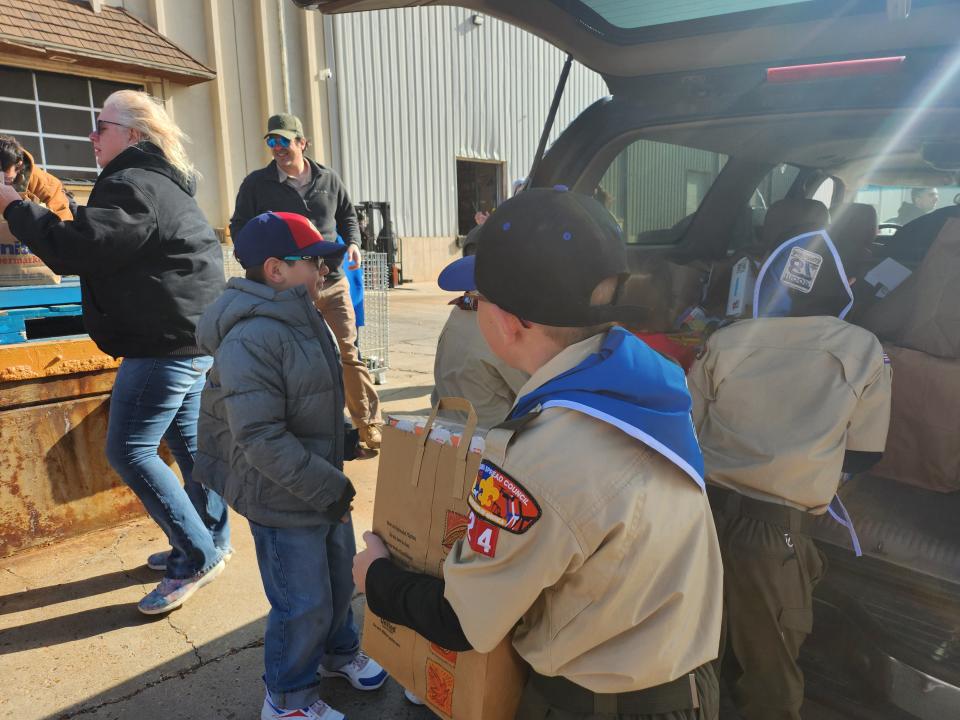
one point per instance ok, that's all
(148, 260)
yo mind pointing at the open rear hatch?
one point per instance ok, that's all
(623, 39)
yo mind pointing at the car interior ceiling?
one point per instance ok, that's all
(832, 141)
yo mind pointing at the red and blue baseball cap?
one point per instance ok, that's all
(281, 235)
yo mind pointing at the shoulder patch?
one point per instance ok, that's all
(482, 536)
(502, 501)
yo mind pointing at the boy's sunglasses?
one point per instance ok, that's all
(318, 261)
(274, 141)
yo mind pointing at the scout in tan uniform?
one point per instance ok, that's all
(590, 536)
(784, 404)
(465, 367)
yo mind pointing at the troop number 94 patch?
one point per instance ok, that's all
(501, 501)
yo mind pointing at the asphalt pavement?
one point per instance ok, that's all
(73, 645)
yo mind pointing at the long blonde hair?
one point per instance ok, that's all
(144, 113)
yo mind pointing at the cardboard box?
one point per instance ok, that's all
(427, 469)
(922, 447)
(18, 266)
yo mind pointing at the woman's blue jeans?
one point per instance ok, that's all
(154, 399)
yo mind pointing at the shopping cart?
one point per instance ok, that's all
(375, 334)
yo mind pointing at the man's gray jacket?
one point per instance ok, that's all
(325, 202)
(270, 435)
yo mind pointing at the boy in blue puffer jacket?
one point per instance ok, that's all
(271, 435)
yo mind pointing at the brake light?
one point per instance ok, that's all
(844, 68)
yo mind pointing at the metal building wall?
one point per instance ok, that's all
(418, 88)
(648, 184)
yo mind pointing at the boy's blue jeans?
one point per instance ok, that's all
(154, 399)
(307, 574)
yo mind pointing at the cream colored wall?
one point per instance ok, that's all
(226, 118)
(425, 257)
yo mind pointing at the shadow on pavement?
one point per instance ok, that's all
(228, 685)
(75, 626)
(64, 592)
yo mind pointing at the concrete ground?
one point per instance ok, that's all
(72, 643)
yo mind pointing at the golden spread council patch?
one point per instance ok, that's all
(502, 501)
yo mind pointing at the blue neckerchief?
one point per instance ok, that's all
(631, 387)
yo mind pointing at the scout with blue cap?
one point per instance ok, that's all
(589, 541)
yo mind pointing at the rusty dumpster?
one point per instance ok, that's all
(55, 481)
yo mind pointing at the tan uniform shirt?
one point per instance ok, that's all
(607, 557)
(466, 367)
(778, 401)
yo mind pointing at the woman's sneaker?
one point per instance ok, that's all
(171, 594)
(318, 711)
(158, 561)
(362, 672)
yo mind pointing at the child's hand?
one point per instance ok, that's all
(346, 518)
(362, 561)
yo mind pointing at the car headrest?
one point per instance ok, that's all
(790, 217)
(853, 231)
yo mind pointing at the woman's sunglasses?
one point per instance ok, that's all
(102, 123)
(274, 141)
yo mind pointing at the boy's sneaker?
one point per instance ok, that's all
(171, 594)
(413, 699)
(362, 672)
(158, 561)
(318, 711)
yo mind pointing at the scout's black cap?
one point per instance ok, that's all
(541, 254)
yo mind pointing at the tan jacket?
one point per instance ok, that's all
(609, 569)
(778, 401)
(39, 186)
(466, 367)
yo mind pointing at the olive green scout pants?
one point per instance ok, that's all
(770, 571)
(555, 702)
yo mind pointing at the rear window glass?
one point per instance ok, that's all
(654, 188)
(631, 14)
(898, 204)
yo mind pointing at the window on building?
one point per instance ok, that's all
(52, 115)
(652, 186)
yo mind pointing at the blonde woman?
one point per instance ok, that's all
(149, 263)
